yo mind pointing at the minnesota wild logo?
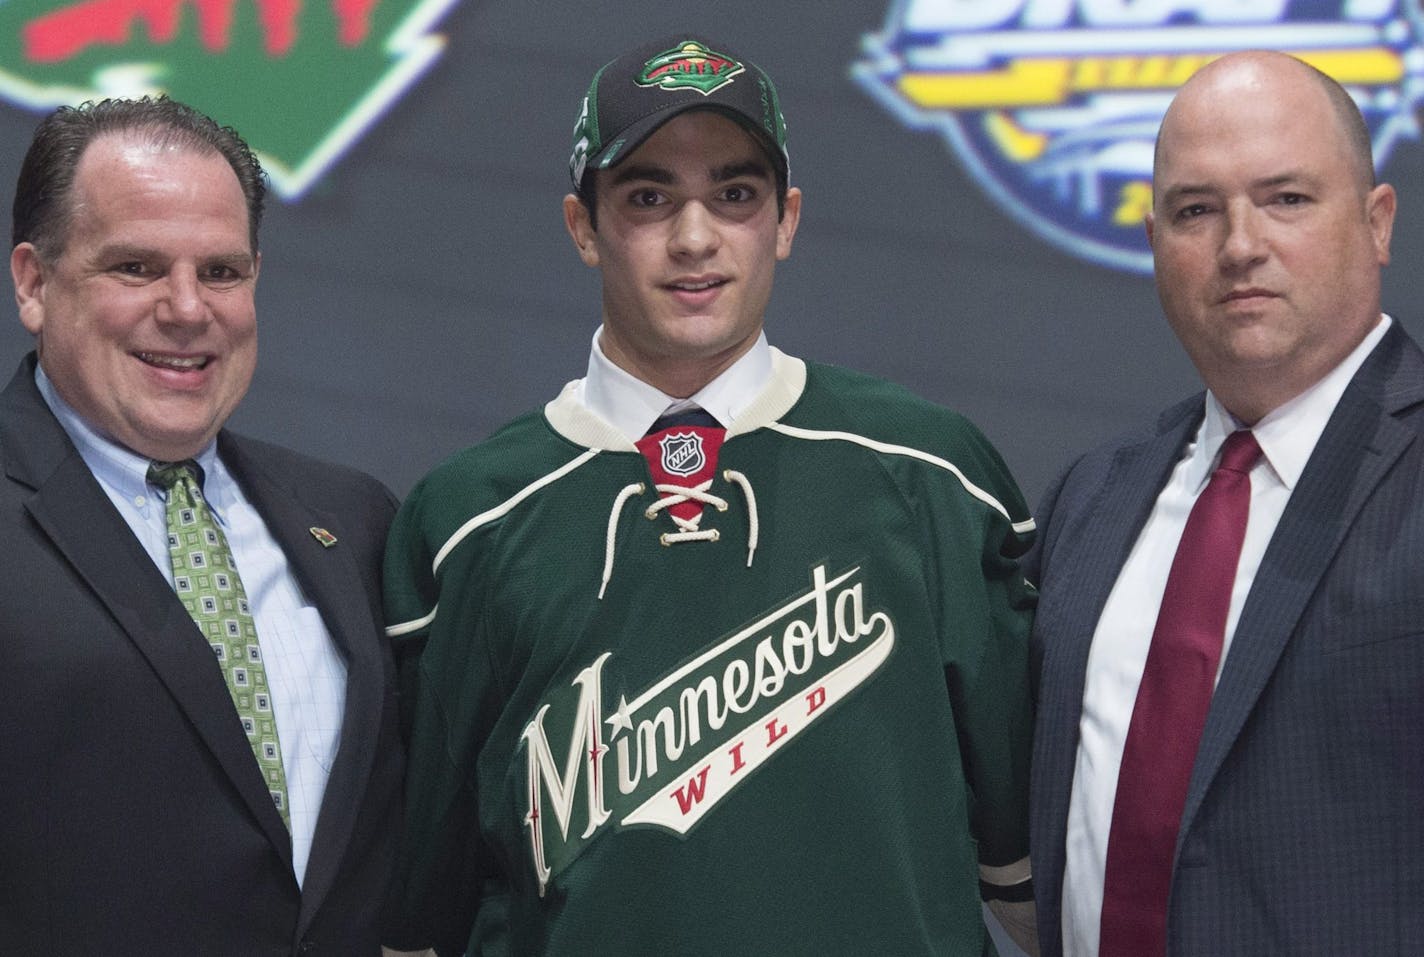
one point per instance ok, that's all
(302, 82)
(689, 66)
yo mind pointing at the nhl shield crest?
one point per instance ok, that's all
(682, 453)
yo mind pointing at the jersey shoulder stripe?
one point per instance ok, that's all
(503, 508)
(887, 448)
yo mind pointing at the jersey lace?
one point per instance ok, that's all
(686, 529)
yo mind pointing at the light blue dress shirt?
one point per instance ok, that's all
(305, 670)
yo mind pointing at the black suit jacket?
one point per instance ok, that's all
(1303, 831)
(133, 819)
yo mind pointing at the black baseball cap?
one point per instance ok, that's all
(635, 94)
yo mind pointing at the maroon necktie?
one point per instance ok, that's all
(1171, 708)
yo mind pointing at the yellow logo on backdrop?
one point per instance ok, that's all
(1052, 106)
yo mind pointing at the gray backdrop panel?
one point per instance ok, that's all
(425, 291)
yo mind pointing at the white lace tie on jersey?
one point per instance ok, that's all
(688, 529)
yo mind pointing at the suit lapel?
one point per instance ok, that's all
(1092, 551)
(330, 578)
(81, 522)
(1359, 445)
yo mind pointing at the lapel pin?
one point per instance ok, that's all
(322, 535)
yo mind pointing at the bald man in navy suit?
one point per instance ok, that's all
(1300, 822)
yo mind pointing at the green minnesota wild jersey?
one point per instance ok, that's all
(780, 710)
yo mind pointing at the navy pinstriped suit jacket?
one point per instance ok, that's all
(1303, 831)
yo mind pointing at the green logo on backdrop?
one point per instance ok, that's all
(301, 80)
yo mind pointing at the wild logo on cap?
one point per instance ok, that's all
(624, 104)
(689, 66)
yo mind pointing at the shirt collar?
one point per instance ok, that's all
(121, 468)
(632, 405)
(1288, 434)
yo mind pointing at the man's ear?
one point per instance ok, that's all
(28, 273)
(580, 226)
(790, 219)
(1379, 209)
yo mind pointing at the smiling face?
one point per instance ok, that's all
(1266, 234)
(687, 241)
(145, 320)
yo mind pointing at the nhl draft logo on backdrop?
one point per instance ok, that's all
(690, 66)
(1052, 106)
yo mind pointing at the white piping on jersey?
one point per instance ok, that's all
(818, 435)
(1006, 875)
(484, 518)
(406, 627)
(689, 529)
(502, 509)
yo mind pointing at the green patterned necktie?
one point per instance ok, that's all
(206, 579)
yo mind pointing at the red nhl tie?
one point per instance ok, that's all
(1171, 708)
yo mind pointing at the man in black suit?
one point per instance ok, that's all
(1294, 824)
(133, 815)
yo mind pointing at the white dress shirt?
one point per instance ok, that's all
(305, 671)
(1287, 437)
(632, 406)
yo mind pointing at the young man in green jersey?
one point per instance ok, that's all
(720, 652)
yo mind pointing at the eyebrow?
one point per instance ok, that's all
(125, 252)
(747, 168)
(632, 172)
(1290, 178)
(1187, 190)
(1178, 193)
(122, 250)
(629, 172)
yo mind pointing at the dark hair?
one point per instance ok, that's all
(42, 209)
